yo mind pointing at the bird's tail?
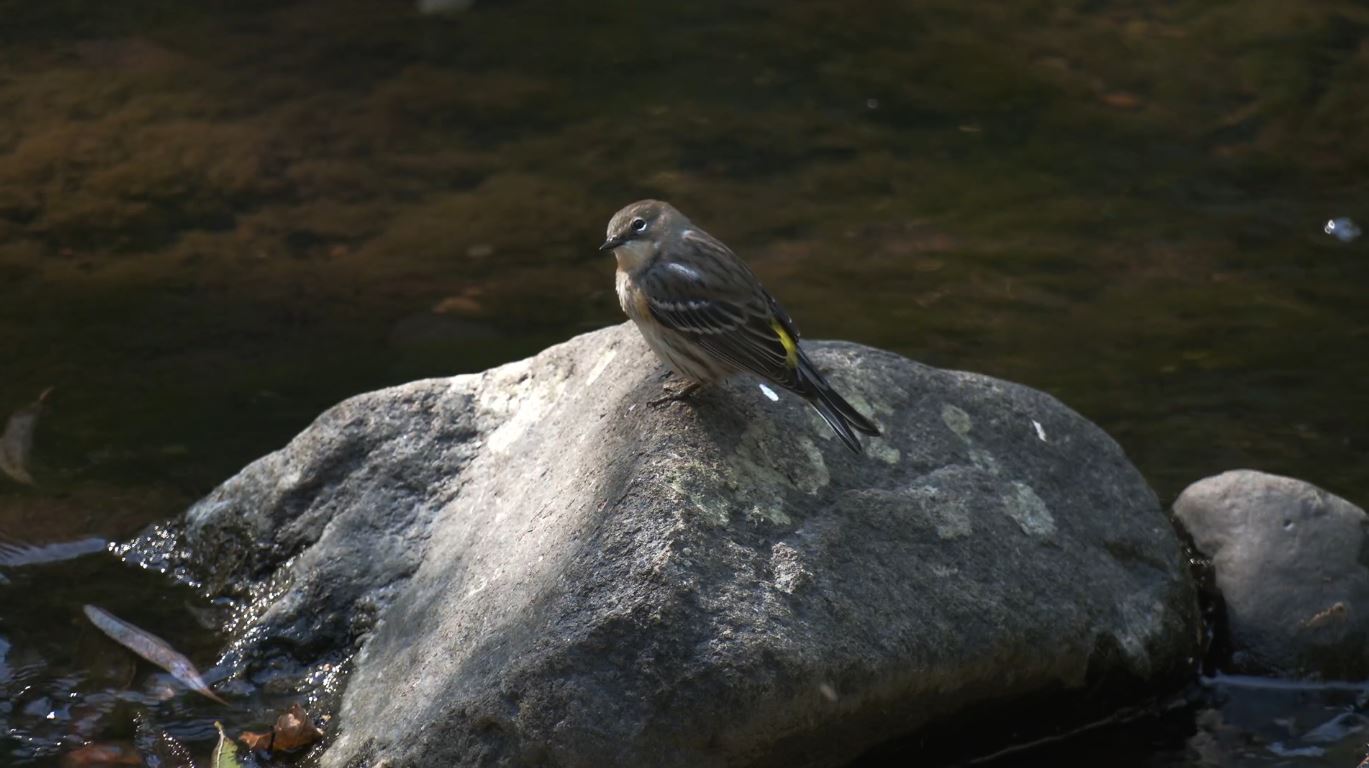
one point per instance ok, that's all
(840, 415)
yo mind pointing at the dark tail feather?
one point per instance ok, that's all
(832, 407)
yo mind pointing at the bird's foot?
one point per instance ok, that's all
(677, 393)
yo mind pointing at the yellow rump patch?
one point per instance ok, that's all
(791, 349)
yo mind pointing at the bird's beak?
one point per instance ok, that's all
(611, 243)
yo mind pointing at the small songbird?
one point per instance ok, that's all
(706, 315)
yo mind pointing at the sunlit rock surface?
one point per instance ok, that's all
(1292, 564)
(535, 567)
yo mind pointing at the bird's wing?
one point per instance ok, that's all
(715, 299)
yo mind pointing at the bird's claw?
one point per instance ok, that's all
(672, 395)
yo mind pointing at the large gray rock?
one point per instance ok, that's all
(537, 568)
(1292, 564)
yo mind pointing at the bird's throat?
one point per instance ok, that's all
(633, 255)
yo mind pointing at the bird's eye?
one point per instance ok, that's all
(638, 225)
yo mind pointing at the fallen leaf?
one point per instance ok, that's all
(225, 753)
(17, 441)
(152, 648)
(16, 554)
(256, 741)
(103, 755)
(293, 730)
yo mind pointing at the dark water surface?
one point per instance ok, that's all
(218, 218)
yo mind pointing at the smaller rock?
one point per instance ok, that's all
(1292, 564)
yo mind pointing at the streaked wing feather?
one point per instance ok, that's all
(718, 303)
(749, 350)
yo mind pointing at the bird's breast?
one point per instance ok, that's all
(631, 298)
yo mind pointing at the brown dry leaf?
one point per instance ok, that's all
(152, 648)
(256, 741)
(294, 730)
(17, 441)
(102, 754)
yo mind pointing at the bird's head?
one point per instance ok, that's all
(636, 232)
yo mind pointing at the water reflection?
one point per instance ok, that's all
(1343, 229)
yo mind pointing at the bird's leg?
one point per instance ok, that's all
(671, 395)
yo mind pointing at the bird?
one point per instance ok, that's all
(707, 316)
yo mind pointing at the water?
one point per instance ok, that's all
(218, 218)
(1343, 229)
